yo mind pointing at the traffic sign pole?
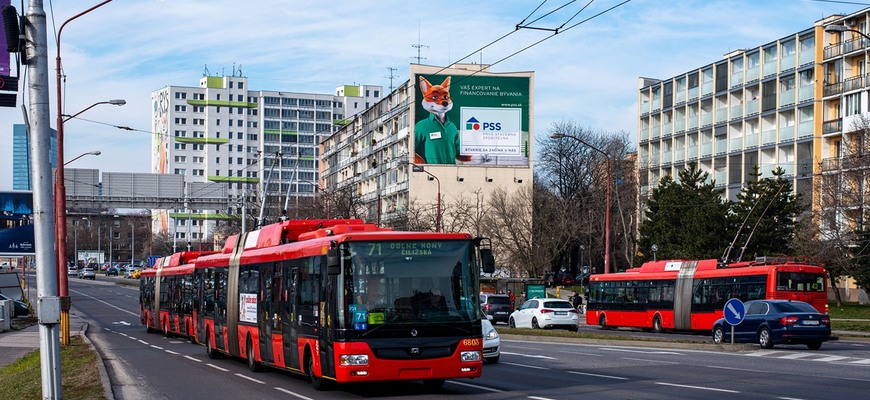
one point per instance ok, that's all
(734, 312)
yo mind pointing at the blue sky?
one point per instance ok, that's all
(588, 74)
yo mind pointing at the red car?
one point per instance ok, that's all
(565, 279)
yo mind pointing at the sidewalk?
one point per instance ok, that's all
(16, 344)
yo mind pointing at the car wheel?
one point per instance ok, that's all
(253, 365)
(764, 339)
(511, 323)
(814, 345)
(657, 324)
(535, 324)
(718, 335)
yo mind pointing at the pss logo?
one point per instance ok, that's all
(474, 125)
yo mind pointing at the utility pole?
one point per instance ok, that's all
(391, 77)
(48, 309)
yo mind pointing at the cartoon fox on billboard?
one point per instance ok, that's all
(436, 139)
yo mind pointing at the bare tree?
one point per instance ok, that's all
(510, 227)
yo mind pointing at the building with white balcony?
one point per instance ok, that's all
(222, 131)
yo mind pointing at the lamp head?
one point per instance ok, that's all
(557, 135)
(836, 28)
(118, 102)
(95, 152)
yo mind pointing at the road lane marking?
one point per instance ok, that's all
(584, 354)
(193, 359)
(736, 369)
(528, 355)
(108, 304)
(795, 356)
(293, 393)
(525, 366)
(696, 387)
(157, 347)
(540, 398)
(642, 351)
(170, 352)
(789, 398)
(143, 342)
(217, 368)
(598, 375)
(762, 353)
(643, 359)
(865, 361)
(476, 386)
(830, 358)
(251, 379)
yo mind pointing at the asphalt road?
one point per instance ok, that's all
(151, 366)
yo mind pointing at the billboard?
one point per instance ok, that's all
(4, 51)
(471, 119)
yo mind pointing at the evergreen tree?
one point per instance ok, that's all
(685, 219)
(770, 211)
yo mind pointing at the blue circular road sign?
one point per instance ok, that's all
(734, 311)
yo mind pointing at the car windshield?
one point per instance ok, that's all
(794, 306)
(409, 283)
(557, 304)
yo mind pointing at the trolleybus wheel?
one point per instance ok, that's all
(764, 339)
(316, 383)
(210, 351)
(602, 322)
(253, 365)
(166, 329)
(657, 324)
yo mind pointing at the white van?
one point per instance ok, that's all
(5, 266)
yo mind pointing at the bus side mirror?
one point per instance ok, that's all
(333, 261)
(487, 260)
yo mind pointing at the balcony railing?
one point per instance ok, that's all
(706, 149)
(833, 89)
(751, 141)
(707, 88)
(679, 156)
(752, 107)
(806, 57)
(805, 129)
(680, 125)
(667, 129)
(786, 133)
(752, 74)
(805, 93)
(768, 137)
(722, 114)
(786, 63)
(693, 122)
(832, 126)
(693, 93)
(854, 44)
(706, 119)
(666, 157)
(721, 145)
(786, 98)
(644, 134)
(833, 50)
(656, 105)
(853, 83)
(719, 177)
(831, 164)
(737, 79)
(769, 68)
(691, 152)
(736, 111)
(679, 97)
(736, 144)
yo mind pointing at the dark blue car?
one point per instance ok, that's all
(770, 322)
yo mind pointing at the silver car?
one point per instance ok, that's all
(491, 341)
(87, 273)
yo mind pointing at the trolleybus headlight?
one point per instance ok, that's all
(354, 359)
(470, 356)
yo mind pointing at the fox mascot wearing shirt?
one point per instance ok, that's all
(436, 139)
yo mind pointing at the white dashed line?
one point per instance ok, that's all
(598, 375)
(193, 359)
(476, 386)
(171, 352)
(157, 347)
(251, 379)
(525, 366)
(217, 368)
(696, 387)
(293, 394)
(540, 398)
(144, 342)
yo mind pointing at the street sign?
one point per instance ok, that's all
(734, 311)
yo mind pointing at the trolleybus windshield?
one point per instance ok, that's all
(397, 283)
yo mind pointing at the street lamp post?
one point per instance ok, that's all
(843, 28)
(60, 192)
(559, 135)
(418, 168)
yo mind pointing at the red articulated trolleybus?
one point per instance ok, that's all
(337, 300)
(690, 295)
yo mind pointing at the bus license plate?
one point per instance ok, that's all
(561, 313)
(810, 322)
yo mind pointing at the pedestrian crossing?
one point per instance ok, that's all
(806, 356)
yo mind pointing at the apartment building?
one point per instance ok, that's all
(399, 153)
(222, 131)
(21, 157)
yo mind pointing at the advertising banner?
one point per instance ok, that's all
(4, 51)
(472, 120)
(248, 307)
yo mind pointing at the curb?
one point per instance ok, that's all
(727, 347)
(101, 366)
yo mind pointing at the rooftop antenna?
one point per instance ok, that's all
(418, 45)
(391, 77)
(205, 71)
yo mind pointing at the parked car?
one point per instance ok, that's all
(770, 322)
(498, 306)
(87, 273)
(565, 279)
(491, 341)
(130, 271)
(136, 274)
(546, 313)
(112, 271)
(19, 308)
(72, 271)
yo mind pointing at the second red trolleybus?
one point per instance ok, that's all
(690, 295)
(337, 300)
